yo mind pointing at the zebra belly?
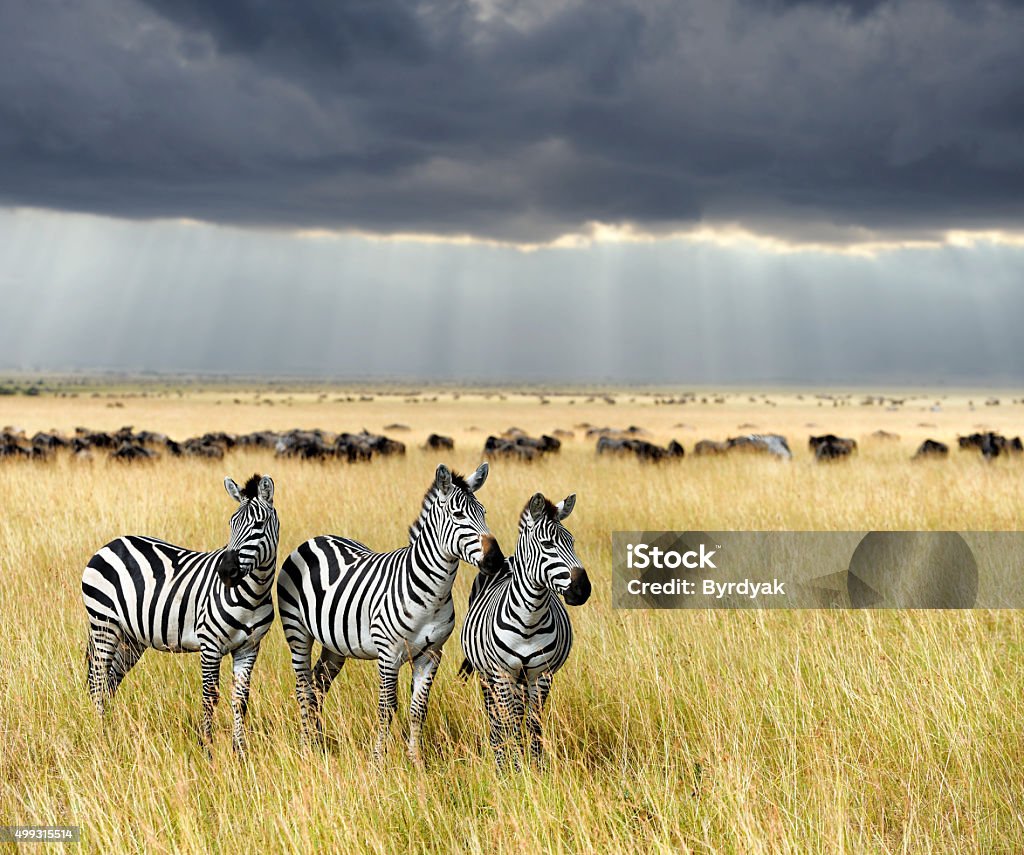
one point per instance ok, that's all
(349, 633)
(527, 658)
(427, 630)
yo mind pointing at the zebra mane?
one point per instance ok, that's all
(252, 486)
(429, 498)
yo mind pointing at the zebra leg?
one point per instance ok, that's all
(125, 658)
(424, 667)
(387, 704)
(538, 694)
(210, 660)
(327, 668)
(104, 641)
(243, 661)
(300, 643)
(493, 722)
(506, 712)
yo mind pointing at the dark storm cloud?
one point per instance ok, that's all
(520, 121)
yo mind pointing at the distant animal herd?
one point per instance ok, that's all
(127, 445)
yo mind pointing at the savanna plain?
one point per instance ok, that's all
(705, 731)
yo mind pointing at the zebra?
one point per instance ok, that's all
(394, 607)
(517, 633)
(140, 593)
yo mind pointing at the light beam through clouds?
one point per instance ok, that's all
(90, 292)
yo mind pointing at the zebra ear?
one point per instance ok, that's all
(443, 480)
(566, 505)
(266, 489)
(537, 505)
(476, 480)
(233, 490)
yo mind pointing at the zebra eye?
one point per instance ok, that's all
(459, 516)
(548, 544)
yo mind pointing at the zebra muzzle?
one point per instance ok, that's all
(579, 588)
(229, 568)
(492, 560)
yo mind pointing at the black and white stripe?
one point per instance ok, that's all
(517, 632)
(142, 593)
(394, 607)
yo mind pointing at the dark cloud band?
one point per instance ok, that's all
(520, 121)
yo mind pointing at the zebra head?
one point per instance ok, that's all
(545, 550)
(254, 530)
(459, 517)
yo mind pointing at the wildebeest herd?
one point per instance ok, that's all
(393, 607)
(128, 445)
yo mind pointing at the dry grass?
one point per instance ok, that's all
(706, 731)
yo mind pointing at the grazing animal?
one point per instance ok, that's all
(990, 444)
(437, 442)
(710, 446)
(142, 593)
(641, 448)
(395, 607)
(831, 447)
(770, 443)
(517, 633)
(931, 448)
(516, 444)
(127, 452)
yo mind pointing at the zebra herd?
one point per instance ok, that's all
(392, 607)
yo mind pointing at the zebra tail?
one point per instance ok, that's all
(466, 669)
(90, 653)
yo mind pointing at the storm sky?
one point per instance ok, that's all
(684, 191)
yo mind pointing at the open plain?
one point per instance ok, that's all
(682, 731)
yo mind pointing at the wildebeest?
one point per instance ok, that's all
(831, 447)
(641, 448)
(128, 451)
(10, 445)
(931, 448)
(363, 445)
(631, 431)
(990, 444)
(518, 445)
(437, 442)
(258, 439)
(304, 444)
(496, 446)
(49, 441)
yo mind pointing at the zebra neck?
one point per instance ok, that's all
(527, 596)
(263, 577)
(427, 558)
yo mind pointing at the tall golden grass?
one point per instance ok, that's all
(675, 731)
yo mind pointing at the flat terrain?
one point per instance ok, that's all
(703, 731)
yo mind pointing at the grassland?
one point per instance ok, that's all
(676, 731)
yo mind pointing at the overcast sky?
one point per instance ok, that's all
(681, 191)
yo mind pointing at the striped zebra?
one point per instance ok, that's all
(142, 593)
(517, 633)
(394, 607)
